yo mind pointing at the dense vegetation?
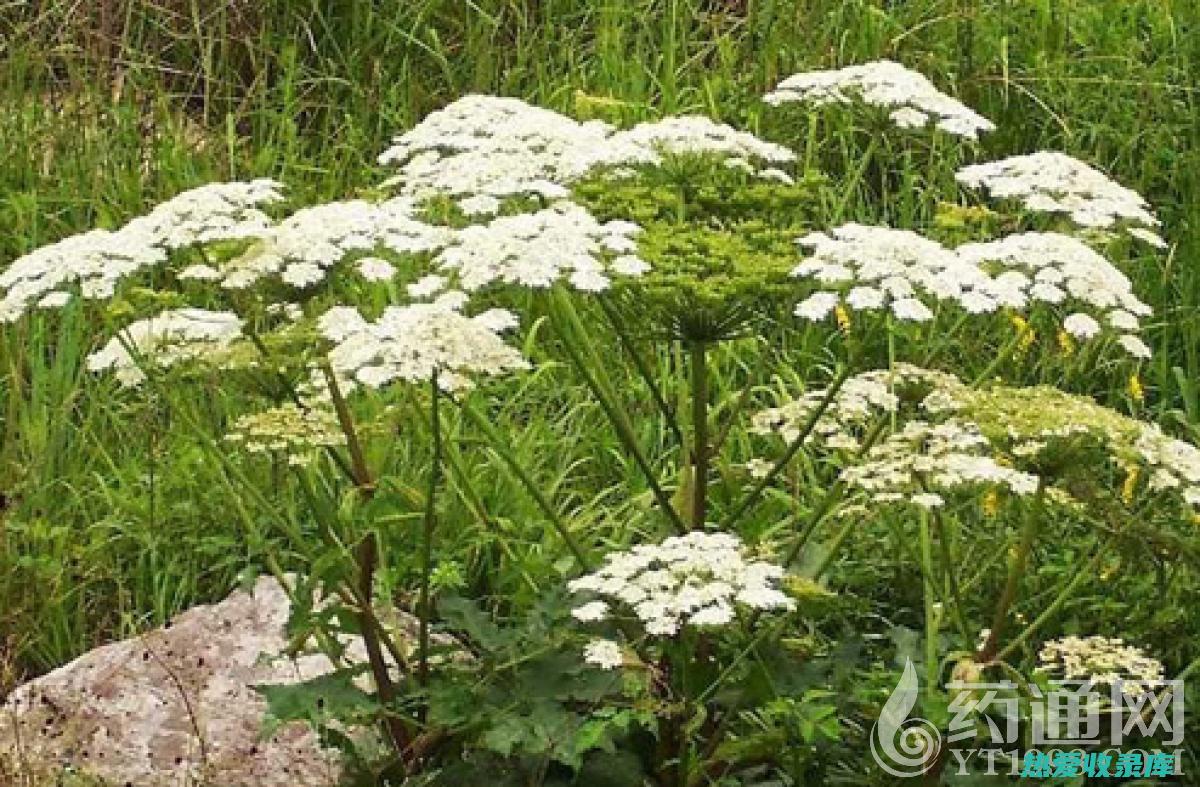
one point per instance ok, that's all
(119, 510)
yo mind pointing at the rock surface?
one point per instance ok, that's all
(174, 706)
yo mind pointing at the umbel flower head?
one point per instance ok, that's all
(1052, 182)
(943, 435)
(698, 580)
(482, 149)
(166, 340)
(923, 459)
(871, 268)
(910, 98)
(413, 343)
(303, 248)
(877, 268)
(1101, 660)
(708, 284)
(560, 243)
(1059, 270)
(290, 429)
(95, 262)
(858, 405)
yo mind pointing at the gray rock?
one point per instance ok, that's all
(174, 706)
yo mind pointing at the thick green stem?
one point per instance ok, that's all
(430, 523)
(931, 616)
(1016, 570)
(358, 463)
(700, 457)
(501, 446)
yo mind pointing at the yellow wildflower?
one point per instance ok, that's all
(991, 502)
(1136, 390)
(1130, 485)
(843, 317)
(1025, 332)
(1066, 343)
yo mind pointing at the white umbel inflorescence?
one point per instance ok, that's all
(874, 268)
(912, 100)
(289, 429)
(923, 459)
(870, 268)
(561, 243)
(303, 248)
(1052, 182)
(95, 262)
(482, 149)
(1056, 269)
(165, 340)
(698, 579)
(412, 343)
(1101, 660)
(856, 406)
(1173, 464)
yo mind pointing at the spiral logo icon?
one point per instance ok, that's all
(902, 746)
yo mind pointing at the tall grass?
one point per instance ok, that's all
(107, 107)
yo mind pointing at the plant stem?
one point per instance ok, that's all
(435, 472)
(1016, 570)
(700, 457)
(358, 462)
(1000, 358)
(931, 617)
(567, 324)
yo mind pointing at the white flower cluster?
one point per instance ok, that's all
(604, 653)
(165, 340)
(872, 268)
(305, 246)
(1058, 269)
(693, 580)
(884, 268)
(1101, 660)
(496, 147)
(481, 149)
(210, 213)
(1174, 464)
(287, 429)
(923, 458)
(911, 98)
(412, 343)
(1052, 182)
(858, 404)
(697, 135)
(537, 249)
(95, 262)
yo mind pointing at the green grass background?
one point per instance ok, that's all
(113, 522)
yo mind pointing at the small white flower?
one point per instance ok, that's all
(817, 306)
(1081, 326)
(1134, 346)
(375, 269)
(426, 286)
(591, 612)
(911, 309)
(604, 654)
